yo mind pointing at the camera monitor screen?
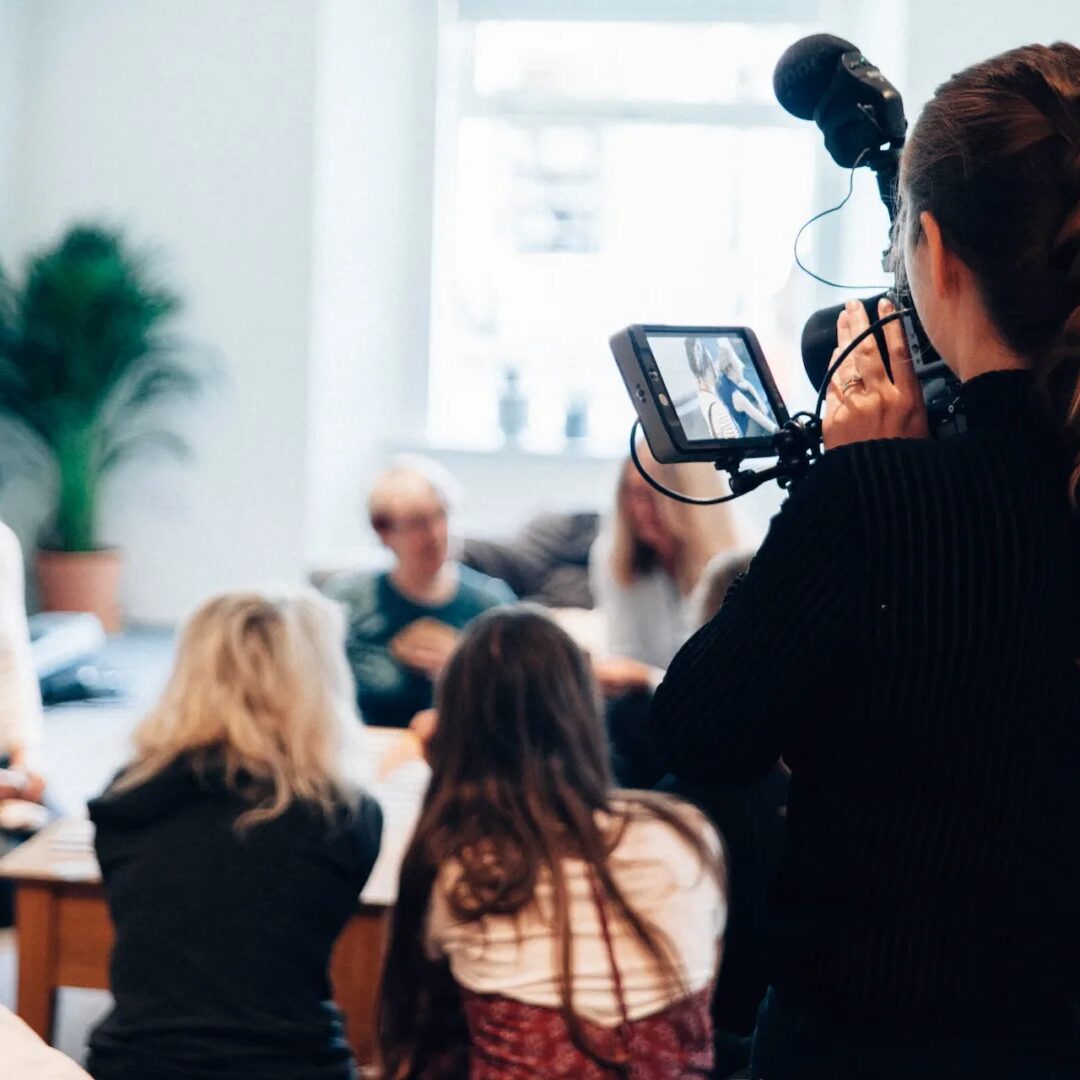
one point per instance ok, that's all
(713, 384)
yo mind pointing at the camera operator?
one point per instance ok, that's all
(907, 637)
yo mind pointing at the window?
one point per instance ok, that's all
(591, 174)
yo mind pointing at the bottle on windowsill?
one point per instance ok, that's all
(576, 427)
(513, 409)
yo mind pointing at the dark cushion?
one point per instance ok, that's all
(546, 563)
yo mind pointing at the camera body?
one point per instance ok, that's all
(940, 387)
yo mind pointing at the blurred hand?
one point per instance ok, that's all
(620, 675)
(424, 646)
(862, 403)
(411, 746)
(21, 784)
(35, 788)
(429, 660)
(423, 725)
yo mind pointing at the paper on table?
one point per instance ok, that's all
(400, 796)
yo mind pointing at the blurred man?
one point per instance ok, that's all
(403, 624)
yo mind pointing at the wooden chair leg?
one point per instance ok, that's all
(354, 971)
(36, 929)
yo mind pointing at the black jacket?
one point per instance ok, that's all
(223, 938)
(907, 639)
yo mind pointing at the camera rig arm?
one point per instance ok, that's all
(797, 444)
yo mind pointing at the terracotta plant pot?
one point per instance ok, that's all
(82, 581)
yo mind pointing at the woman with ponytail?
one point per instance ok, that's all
(907, 637)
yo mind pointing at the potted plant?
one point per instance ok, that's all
(86, 365)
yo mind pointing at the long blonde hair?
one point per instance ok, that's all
(701, 532)
(260, 685)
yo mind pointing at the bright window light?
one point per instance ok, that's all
(594, 174)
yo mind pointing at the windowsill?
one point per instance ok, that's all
(519, 454)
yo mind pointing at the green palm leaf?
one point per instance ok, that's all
(87, 369)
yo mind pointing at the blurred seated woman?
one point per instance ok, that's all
(20, 713)
(646, 563)
(404, 624)
(644, 569)
(233, 849)
(575, 927)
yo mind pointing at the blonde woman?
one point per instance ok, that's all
(645, 566)
(233, 849)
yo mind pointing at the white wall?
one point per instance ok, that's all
(946, 37)
(375, 149)
(190, 122)
(12, 47)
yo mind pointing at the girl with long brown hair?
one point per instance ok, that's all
(907, 635)
(579, 926)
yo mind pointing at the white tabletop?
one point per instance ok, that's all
(64, 851)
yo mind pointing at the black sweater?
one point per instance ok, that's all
(223, 939)
(907, 639)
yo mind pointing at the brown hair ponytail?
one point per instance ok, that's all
(995, 157)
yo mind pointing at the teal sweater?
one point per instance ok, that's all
(388, 693)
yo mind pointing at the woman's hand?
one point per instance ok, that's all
(411, 745)
(862, 403)
(20, 784)
(620, 675)
(423, 725)
(425, 645)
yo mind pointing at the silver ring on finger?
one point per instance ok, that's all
(849, 382)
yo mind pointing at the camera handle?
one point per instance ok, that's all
(885, 165)
(797, 444)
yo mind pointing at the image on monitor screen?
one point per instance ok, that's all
(714, 386)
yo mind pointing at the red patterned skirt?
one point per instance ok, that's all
(511, 1040)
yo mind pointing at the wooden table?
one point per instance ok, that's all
(65, 934)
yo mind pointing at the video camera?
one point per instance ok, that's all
(706, 393)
